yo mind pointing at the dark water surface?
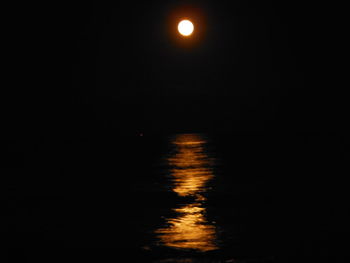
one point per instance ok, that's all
(177, 198)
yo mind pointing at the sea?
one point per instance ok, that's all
(181, 197)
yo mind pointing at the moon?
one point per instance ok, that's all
(185, 28)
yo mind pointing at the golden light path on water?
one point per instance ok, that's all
(190, 169)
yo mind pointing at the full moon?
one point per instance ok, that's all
(185, 27)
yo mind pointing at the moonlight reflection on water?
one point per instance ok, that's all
(190, 169)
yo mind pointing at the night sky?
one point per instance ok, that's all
(251, 66)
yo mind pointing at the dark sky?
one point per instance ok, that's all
(253, 66)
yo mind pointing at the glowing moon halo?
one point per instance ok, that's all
(185, 28)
